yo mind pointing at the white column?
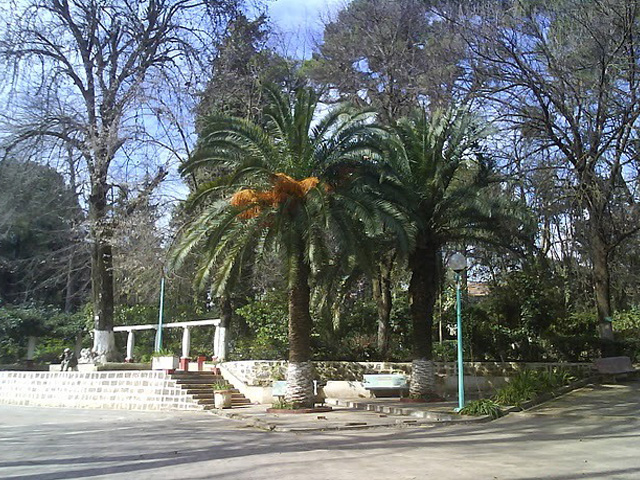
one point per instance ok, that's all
(222, 343)
(186, 342)
(31, 348)
(216, 339)
(131, 340)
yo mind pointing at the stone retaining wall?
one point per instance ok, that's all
(133, 390)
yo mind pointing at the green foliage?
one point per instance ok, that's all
(282, 404)
(38, 243)
(401, 327)
(352, 337)
(244, 63)
(574, 337)
(627, 322)
(482, 407)
(446, 351)
(164, 352)
(220, 386)
(369, 39)
(266, 319)
(523, 306)
(529, 316)
(529, 384)
(55, 331)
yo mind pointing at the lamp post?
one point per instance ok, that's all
(158, 345)
(458, 263)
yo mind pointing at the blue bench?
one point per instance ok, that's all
(279, 388)
(386, 384)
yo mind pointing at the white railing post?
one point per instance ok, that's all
(186, 341)
(131, 340)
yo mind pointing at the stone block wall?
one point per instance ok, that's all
(128, 390)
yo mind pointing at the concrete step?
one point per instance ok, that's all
(199, 391)
(189, 376)
(205, 381)
(204, 396)
(207, 391)
(211, 406)
(189, 385)
(200, 386)
(234, 400)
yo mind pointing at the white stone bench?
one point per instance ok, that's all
(278, 388)
(614, 366)
(386, 384)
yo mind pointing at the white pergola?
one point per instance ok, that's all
(219, 340)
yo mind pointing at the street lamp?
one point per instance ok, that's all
(158, 345)
(458, 263)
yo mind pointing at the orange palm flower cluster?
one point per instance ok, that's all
(284, 188)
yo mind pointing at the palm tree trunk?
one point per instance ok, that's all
(300, 373)
(423, 264)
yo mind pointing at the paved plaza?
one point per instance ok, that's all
(591, 433)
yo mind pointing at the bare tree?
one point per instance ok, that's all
(107, 79)
(392, 54)
(565, 76)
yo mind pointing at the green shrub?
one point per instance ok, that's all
(446, 351)
(529, 384)
(55, 331)
(516, 392)
(164, 352)
(267, 319)
(484, 406)
(282, 404)
(220, 386)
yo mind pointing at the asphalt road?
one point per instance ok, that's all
(561, 441)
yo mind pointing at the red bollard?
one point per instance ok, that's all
(201, 360)
(184, 364)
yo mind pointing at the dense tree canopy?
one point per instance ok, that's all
(505, 129)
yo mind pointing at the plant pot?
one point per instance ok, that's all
(222, 398)
(165, 363)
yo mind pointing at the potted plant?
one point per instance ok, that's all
(222, 395)
(164, 360)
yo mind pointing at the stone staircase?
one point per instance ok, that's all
(200, 386)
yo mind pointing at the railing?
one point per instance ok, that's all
(219, 341)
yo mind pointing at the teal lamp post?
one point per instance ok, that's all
(458, 263)
(158, 345)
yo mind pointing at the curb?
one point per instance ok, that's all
(548, 397)
(437, 417)
(406, 422)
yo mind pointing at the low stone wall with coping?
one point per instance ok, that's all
(127, 390)
(263, 372)
(344, 379)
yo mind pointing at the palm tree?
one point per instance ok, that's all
(294, 188)
(446, 179)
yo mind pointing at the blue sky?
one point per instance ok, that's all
(301, 22)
